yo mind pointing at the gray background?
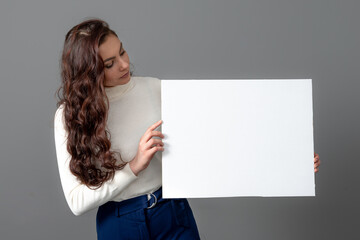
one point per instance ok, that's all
(316, 39)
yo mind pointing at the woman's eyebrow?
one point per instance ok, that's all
(110, 58)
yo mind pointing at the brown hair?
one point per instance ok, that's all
(86, 104)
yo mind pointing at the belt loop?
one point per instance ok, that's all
(117, 211)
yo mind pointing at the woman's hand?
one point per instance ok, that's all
(316, 162)
(148, 146)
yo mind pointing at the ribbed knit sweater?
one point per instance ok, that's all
(133, 108)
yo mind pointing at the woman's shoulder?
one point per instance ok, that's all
(141, 78)
(152, 83)
(148, 81)
(59, 113)
(60, 109)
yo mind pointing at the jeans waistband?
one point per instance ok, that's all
(141, 202)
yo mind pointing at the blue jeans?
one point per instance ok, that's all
(167, 219)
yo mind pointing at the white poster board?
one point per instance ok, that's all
(230, 137)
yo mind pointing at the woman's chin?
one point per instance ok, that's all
(122, 81)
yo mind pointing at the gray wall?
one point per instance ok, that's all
(316, 39)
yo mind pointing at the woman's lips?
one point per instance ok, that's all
(124, 75)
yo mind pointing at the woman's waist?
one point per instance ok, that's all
(147, 182)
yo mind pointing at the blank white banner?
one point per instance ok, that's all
(230, 137)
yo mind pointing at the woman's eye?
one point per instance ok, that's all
(122, 53)
(110, 65)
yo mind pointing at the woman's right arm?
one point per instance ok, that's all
(79, 197)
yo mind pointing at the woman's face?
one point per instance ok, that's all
(116, 62)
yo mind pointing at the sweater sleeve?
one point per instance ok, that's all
(79, 197)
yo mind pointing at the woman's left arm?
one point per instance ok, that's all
(316, 162)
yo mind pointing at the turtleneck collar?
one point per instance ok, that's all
(116, 92)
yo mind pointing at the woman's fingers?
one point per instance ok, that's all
(153, 150)
(157, 134)
(148, 142)
(155, 125)
(316, 162)
(150, 132)
(148, 146)
(153, 141)
(316, 158)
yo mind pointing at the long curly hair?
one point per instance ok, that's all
(86, 104)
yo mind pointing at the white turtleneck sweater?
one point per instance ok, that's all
(133, 108)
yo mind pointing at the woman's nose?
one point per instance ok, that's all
(123, 64)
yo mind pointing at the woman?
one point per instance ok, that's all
(103, 111)
(101, 100)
